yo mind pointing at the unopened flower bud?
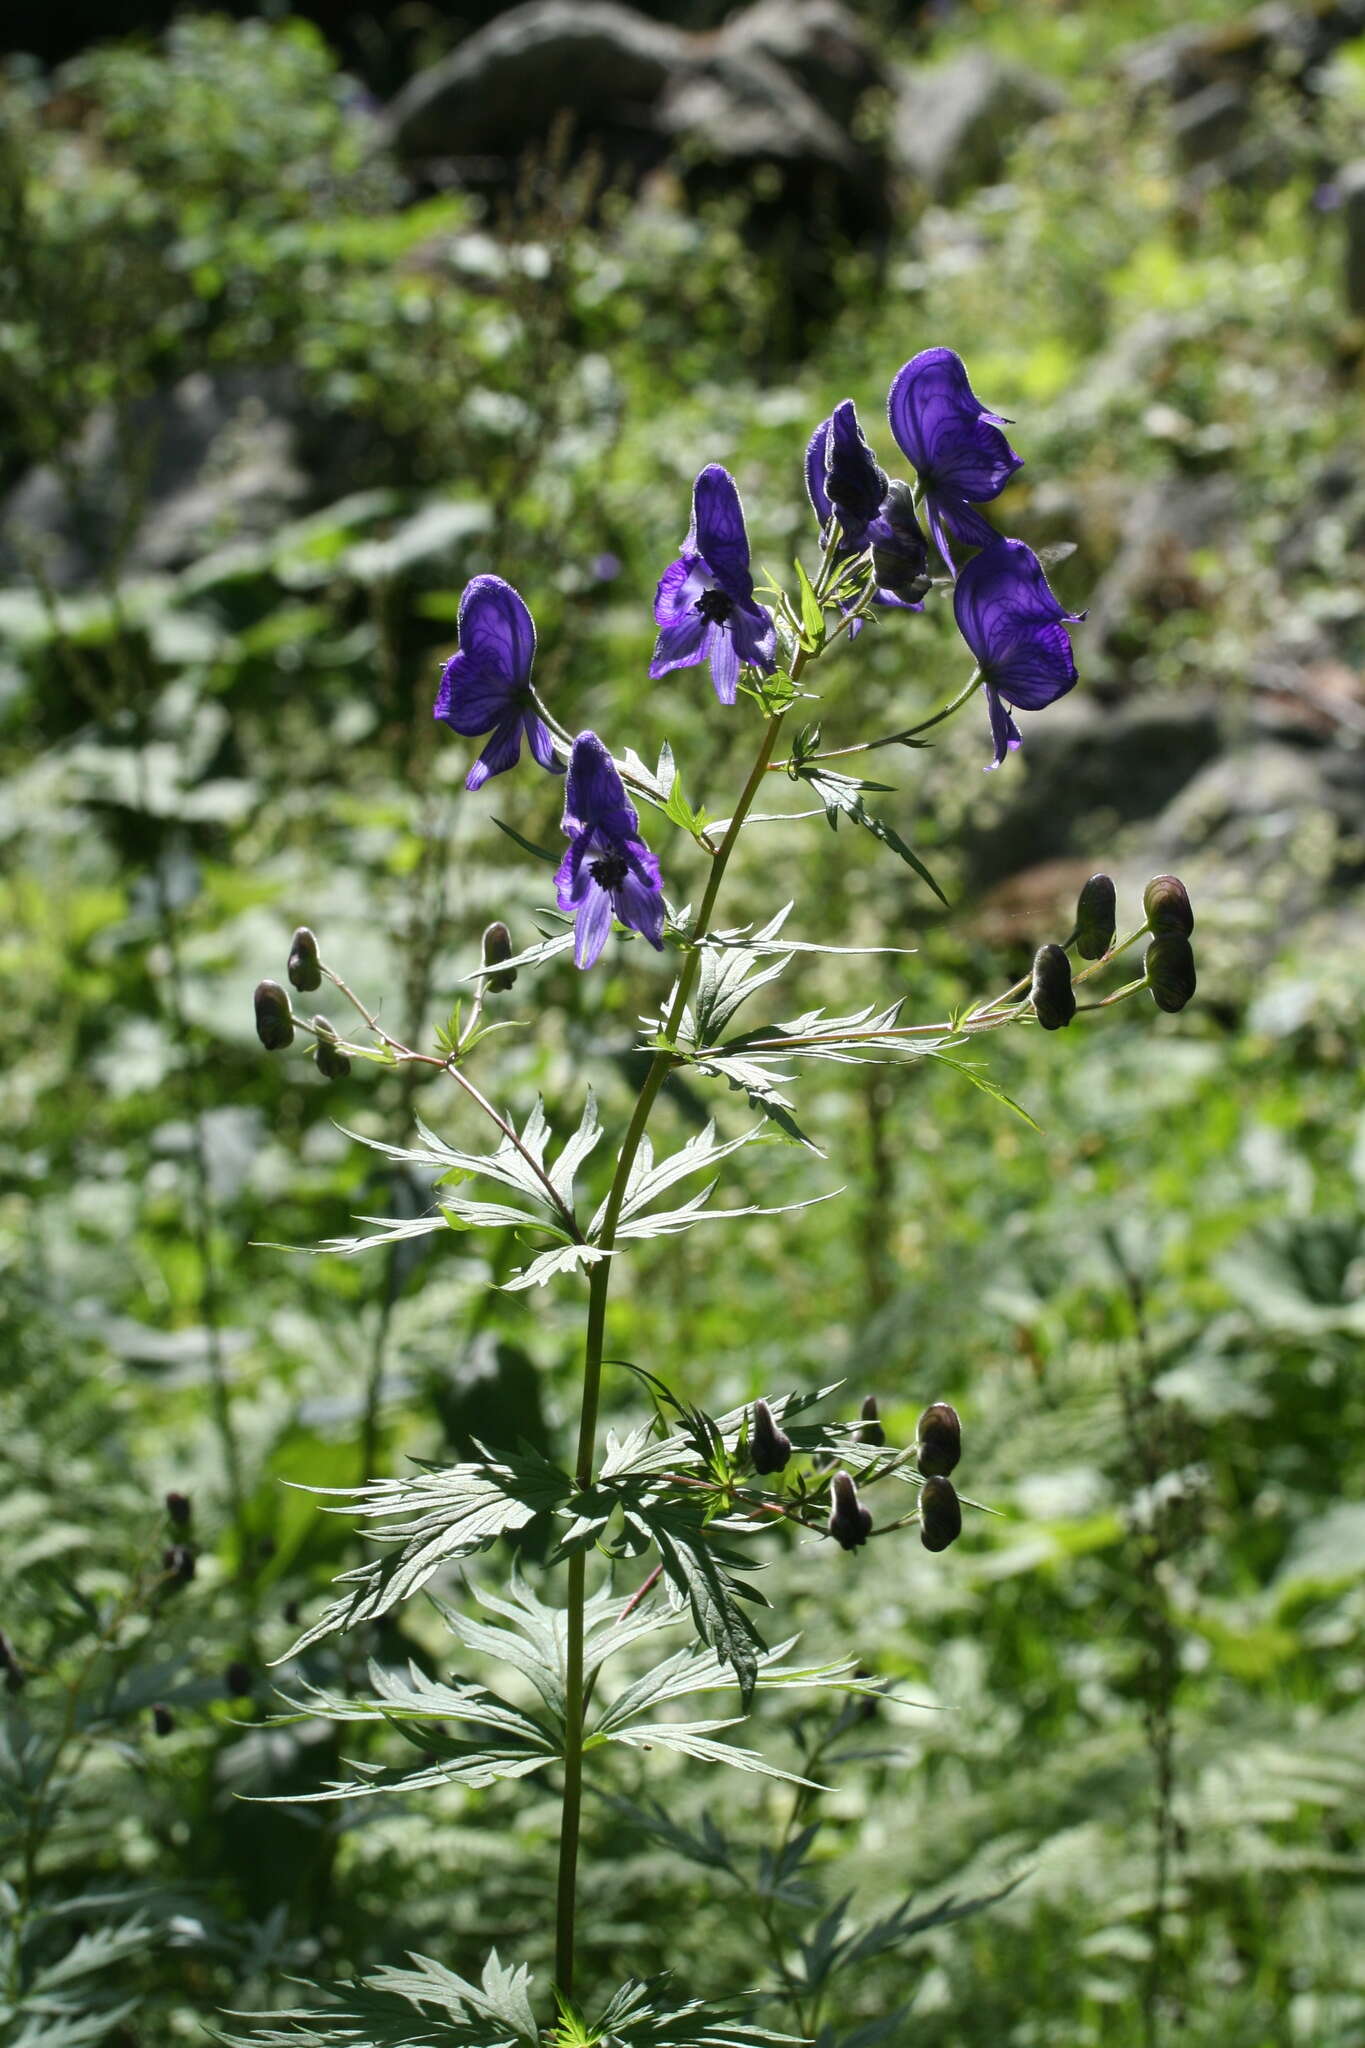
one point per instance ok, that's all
(497, 945)
(274, 1025)
(1053, 1003)
(1166, 906)
(769, 1446)
(940, 1513)
(1170, 971)
(1096, 909)
(304, 969)
(178, 1563)
(330, 1060)
(237, 1681)
(939, 1437)
(15, 1677)
(178, 1509)
(871, 1431)
(850, 1523)
(163, 1720)
(900, 562)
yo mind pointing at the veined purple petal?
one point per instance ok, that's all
(679, 644)
(816, 456)
(493, 666)
(502, 751)
(755, 636)
(1004, 732)
(639, 901)
(724, 658)
(717, 532)
(1001, 596)
(541, 743)
(945, 431)
(592, 927)
(469, 701)
(681, 584)
(594, 795)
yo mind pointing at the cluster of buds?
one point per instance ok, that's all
(938, 1437)
(1168, 969)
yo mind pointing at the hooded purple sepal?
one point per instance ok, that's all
(486, 687)
(608, 870)
(1016, 629)
(704, 606)
(900, 556)
(954, 444)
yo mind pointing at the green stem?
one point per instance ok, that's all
(599, 1282)
(907, 733)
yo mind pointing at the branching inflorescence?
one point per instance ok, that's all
(686, 1491)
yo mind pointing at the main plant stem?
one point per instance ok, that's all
(599, 1281)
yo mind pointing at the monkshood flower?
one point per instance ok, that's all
(705, 605)
(955, 446)
(1017, 630)
(608, 870)
(847, 485)
(486, 687)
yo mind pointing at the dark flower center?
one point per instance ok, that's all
(715, 607)
(609, 870)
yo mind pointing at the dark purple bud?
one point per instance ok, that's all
(900, 557)
(178, 1563)
(237, 1681)
(274, 1024)
(871, 1431)
(497, 945)
(940, 1513)
(15, 1678)
(1053, 1003)
(179, 1510)
(850, 1523)
(330, 1060)
(769, 1447)
(1170, 971)
(163, 1720)
(1166, 905)
(1096, 911)
(304, 970)
(939, 1437)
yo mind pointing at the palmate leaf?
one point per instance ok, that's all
(423, 2006)
(561, 1258)
(700, 1575)
(435, 1516)
(842, 797)
(694, 1739)
(695, 1670)
(640, 2015)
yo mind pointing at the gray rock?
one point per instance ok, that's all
(1210, 126)
(1164, 524)
(821, 43)
(742, 108)
(505, 85)
(953, 125)
(212, 459)
(1351, 185)
(1273, 38)
(1084, 770)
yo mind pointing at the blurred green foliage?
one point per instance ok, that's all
(1150, 1315)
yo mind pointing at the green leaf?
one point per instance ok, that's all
(545, 853)
(812, 615)
(694, 1739)
(841, 796)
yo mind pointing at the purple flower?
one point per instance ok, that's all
(846, 484)
(705, 601)
(608, 870)
(955, 445)
(486, 687)
(1016, 629)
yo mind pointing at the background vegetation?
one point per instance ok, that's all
(1142, 1685)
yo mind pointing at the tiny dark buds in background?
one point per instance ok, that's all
(304, 970)
(274, 1024)
(1053, 1003)
(850, 1523)
(1096, 910)
(237, 1680)
(1170, 971)
(769, 1446)
(497, 945)
(163, 1720)
(939, 1435)
(871, 1431)
(178, 1509)
(10, 1665)
(330, 1060)
(940, 1513)
(178, 1562)
(1166, 905)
